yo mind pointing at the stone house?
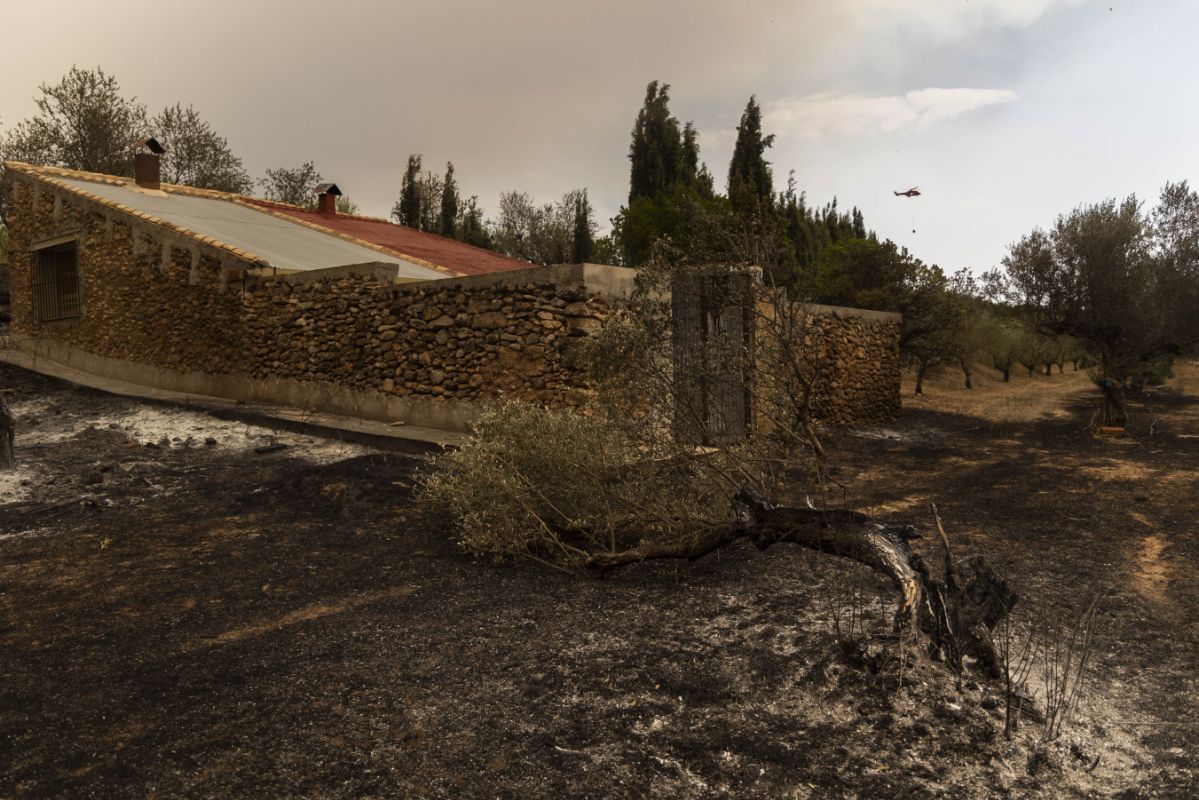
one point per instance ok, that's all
(210, 293)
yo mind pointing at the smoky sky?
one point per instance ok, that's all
(1004, 112)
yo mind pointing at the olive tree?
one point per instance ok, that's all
(1123, 281)
(196, 155)
(293, 185)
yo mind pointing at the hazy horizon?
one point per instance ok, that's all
(1004, 112)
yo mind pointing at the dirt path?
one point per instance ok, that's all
(185, 618)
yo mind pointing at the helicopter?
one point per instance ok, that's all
(913, 192)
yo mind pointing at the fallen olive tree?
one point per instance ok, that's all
(662, 466)
(956, 613)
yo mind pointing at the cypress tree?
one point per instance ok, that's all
(859, 223)
(750, 182)
(448, 224)
(690, 175)
(471, 228)
(407, 209)
(656, 151)
(583, 244)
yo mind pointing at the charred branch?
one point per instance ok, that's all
(955, 613)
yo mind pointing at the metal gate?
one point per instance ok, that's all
(712, 339)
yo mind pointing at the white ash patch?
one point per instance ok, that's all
(27, 534)
(164, 426)
(915, 435)
(30, 407)
(15, 484)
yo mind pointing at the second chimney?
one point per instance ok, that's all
(326, 199)
(147, 166)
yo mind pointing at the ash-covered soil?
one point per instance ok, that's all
(185, 611)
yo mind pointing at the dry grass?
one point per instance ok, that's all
(1023, 399)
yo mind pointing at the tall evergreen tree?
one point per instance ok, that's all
(656, 151)
(584, 242)
(750, 182)
(471, 227)
(448, 224)
(690, 173)
(406, 210)
(429, 190)
(695, 175)
(859, 223)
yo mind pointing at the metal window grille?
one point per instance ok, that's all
(56, 282)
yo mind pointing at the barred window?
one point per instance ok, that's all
(56, 282)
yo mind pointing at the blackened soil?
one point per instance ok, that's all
(202, 620)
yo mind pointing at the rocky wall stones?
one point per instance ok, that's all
(177, 308)
(455, 343)
(151, 296)
(855, 361)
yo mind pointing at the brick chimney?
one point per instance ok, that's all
(326, 199)
(147, 165)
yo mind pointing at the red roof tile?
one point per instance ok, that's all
(456, 256)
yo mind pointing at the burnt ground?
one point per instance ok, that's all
(181, 615)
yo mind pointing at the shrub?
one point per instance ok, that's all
(557, 486)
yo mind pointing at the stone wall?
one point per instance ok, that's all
(855, 359)
(465, 343)
(434, 340)
(151, 297)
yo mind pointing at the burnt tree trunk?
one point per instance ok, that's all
(1007, 375)
(955, 614)
(7, 435)
(920, 379)
(969, 373)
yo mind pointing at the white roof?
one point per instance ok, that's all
(280, 242)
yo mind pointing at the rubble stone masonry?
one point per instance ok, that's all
(191, 309)
(856, 362)
(433, 339)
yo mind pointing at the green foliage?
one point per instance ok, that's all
(1154, 372)
(556, 486)
(750, 185)
(471, 228)
(656, 153)
(607, 250)
(196, 155)
(866, 273)
(541, 234)
(1125, 282)
(1000, 339)
(407, 210)
(647, 219)
(82, 122)
(584, 230)
(665, 177)
(447, 223)
(345, 205)
(695, 174)
(294, 185)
